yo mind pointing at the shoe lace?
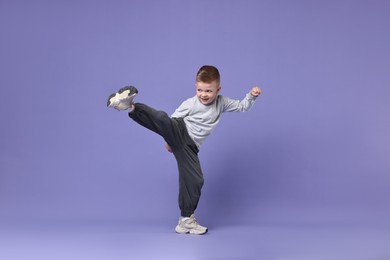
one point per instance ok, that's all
(193, 220)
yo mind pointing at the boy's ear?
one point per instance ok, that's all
(219, 88)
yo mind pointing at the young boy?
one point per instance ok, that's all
(184, 132)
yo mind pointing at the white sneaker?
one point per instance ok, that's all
(123, 99)
(190, 226)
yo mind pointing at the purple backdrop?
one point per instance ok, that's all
(315, 147)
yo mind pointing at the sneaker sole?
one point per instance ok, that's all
(180, 230)
(123, 93)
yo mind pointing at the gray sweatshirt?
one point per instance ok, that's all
(202, 119)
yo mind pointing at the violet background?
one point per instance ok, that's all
(314, 149)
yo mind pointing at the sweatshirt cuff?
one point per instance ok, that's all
(250, 97)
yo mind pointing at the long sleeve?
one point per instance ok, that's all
(231, 105)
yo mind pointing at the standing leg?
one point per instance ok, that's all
(190, 178)
(190, 185)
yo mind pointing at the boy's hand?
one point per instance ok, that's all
(168, 147)
(256, 91)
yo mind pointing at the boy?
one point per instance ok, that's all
(184, 132)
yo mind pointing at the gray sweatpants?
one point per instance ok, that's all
(174, 132)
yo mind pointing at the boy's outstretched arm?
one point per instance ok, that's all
(233, 105)
(256, 91)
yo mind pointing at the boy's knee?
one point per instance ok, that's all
(162, 116)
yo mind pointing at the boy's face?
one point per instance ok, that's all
(207, 92)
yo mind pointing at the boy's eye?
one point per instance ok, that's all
(207, 90)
